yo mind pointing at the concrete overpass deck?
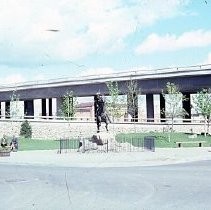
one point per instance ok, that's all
(121, 76)
(190, 79)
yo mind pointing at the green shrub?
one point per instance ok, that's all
(26, 129)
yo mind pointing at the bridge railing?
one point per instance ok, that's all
(127, 73)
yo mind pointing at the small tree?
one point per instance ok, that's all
(115, 103)
(173, 97)
(14, 110)
(14, 105)
(26, 129)
(203, 106)
(69, 103)
(132, 98)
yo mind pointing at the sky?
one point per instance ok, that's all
(50, 39)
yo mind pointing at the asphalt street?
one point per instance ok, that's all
(179, 186)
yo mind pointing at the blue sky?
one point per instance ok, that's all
(45, 39)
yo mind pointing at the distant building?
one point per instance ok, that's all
(85, 110)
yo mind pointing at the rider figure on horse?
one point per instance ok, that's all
(101, 115)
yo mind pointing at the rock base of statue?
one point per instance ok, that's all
(102, 141)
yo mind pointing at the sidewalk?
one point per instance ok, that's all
(111, 159)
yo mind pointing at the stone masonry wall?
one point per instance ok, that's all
(51, 129)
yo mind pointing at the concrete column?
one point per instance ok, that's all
(0, 109)
(187, 105)
(29, 108)
(47, 106)
(3, 110)
(162, 108)
(53, 106)
(37, 108)
(156, 99)
(150, 107)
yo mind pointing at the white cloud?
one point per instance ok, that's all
(85, 27)
(150, 11)
(169, 42)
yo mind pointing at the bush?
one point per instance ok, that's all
(26, 129)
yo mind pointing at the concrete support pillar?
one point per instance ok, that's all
(2, 110)
(54, 107)
(7, 109)
(37, 108)
(29, 109)
(47, 106)
(156, 99)
(150, 107)
(162, 108)
(187, 105)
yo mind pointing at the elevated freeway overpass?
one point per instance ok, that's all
(189, 79)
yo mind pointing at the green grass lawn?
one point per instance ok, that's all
(163, 140)
(136, 139)
(37, 144)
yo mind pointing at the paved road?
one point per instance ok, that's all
(183, 186)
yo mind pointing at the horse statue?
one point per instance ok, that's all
(101, 115)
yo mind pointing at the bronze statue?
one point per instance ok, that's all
(101, 115)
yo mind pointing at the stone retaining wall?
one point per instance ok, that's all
(51, 129)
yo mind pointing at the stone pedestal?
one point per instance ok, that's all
(100, 141)
(105, 141)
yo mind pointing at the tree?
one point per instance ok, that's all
(203, 106)
(69, 103)
(26, 129)
(115, 103)
(15, 111)
(132, 98)
(173, 98)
